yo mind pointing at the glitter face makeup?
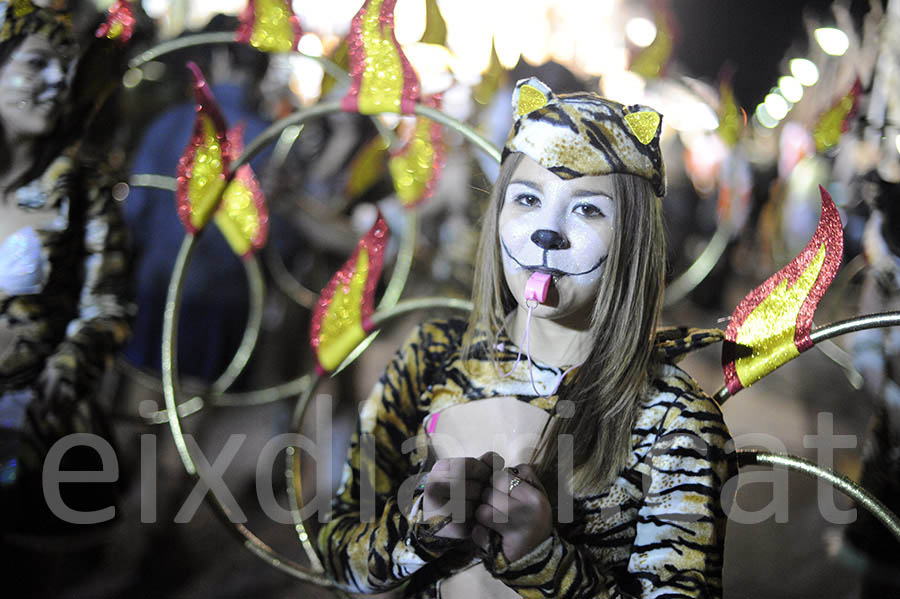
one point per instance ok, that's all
(561, 227)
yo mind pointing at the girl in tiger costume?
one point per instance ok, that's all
(64, 271)
(548, 446)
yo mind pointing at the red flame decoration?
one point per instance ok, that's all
(248, 20)
(247, 178)
(836, 120)
(119, 24)
(854, 94)
(343, 283)
(193, 213)
(359, 61)
(653, 61)
(829, 234)
(433, 134)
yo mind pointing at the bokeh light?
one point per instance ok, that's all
(833, 41)
(765, 119)
(776, 106)
(311, 45)
(409, 21)
(791, 89)
(640, 31)
(805, 71)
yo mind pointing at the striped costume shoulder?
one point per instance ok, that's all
(441, 336)
(672, 344)
(675, 404)
(434, 344)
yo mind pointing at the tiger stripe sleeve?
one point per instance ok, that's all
(105, 309)
(678, 550)
(679, 544)
(368, 543)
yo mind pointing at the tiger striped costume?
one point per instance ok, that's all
(80, 313)
(656, 531)
(72, 317)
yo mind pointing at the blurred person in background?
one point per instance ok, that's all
(876, 354)
(64, 271)
(215, 296)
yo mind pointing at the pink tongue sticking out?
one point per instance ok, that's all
(537, 286)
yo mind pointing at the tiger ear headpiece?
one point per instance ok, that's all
(20, 18)
(582, 134)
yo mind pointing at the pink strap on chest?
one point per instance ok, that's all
(432, 422)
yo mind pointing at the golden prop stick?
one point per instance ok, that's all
(219, 37)
(862, 497)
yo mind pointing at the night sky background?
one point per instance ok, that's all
(751, 36)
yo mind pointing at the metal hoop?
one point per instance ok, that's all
(292, 470)
(844, 484)
(169, 349)
(699, 270)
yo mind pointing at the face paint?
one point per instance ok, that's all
(17, 82)
(563, 228)
(32, 88)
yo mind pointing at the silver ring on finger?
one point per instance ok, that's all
(514, 482)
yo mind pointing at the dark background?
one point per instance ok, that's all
(751, 36)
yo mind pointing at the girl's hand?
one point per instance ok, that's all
(519, 512)
(52, 409)
(454, 488)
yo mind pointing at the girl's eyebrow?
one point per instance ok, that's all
(39, 51)
(587, 193)
(528, 184)
(29, 54)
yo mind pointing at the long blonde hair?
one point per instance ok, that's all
(615, 376)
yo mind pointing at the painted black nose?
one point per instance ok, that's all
(548, 240)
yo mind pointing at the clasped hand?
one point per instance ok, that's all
(480, 495)
(53, 408)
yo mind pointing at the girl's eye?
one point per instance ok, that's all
(528, 200)
(588, 210)
(32, 61)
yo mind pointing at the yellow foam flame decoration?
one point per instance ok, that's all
(652, 60)
(367, 167)
(770, 328)
(491, 79)
(207, 176)
(272, 27)
(340, 57)
(412, 169)
(731, 122)
(435, 25)
(827, 132)
(238, 217)
(342, 328)
(382, 78)
(115, 30)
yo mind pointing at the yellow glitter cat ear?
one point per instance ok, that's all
(643, 124)
(530, 94)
